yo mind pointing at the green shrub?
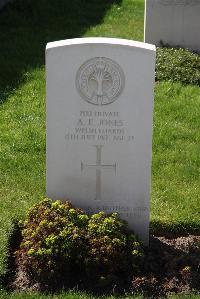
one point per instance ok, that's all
(62, 245)
(113, 251)
(178, 64)
(53, 235)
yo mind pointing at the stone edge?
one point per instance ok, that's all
(101, 40)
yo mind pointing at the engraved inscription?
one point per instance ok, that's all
(98, 167)
(179, 2)
(123, 211)
(100, 81)
(104, 126)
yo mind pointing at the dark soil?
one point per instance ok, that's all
(171, 265)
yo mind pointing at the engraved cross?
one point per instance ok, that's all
(98, 166)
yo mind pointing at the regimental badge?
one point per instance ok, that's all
(100, 81)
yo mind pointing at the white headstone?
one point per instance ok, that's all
(99, 126)
(174, 22)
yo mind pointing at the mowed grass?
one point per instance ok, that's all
(25, 28)
(71, 295)
(124, 20)
(175, 200)
(77, 295)
(63, 295)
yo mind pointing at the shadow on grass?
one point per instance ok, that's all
(26, 26)
(14, 241)
(172, 230)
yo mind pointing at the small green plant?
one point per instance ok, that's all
(113, 251)
(53, 235)
(62, 245)
(177, 64)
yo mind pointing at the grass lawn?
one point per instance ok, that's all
(25, 28)
(70, 295)
(77, 295)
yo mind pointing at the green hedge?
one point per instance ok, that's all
(177, 64)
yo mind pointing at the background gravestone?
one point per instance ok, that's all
(174, 22)
(99, 126)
